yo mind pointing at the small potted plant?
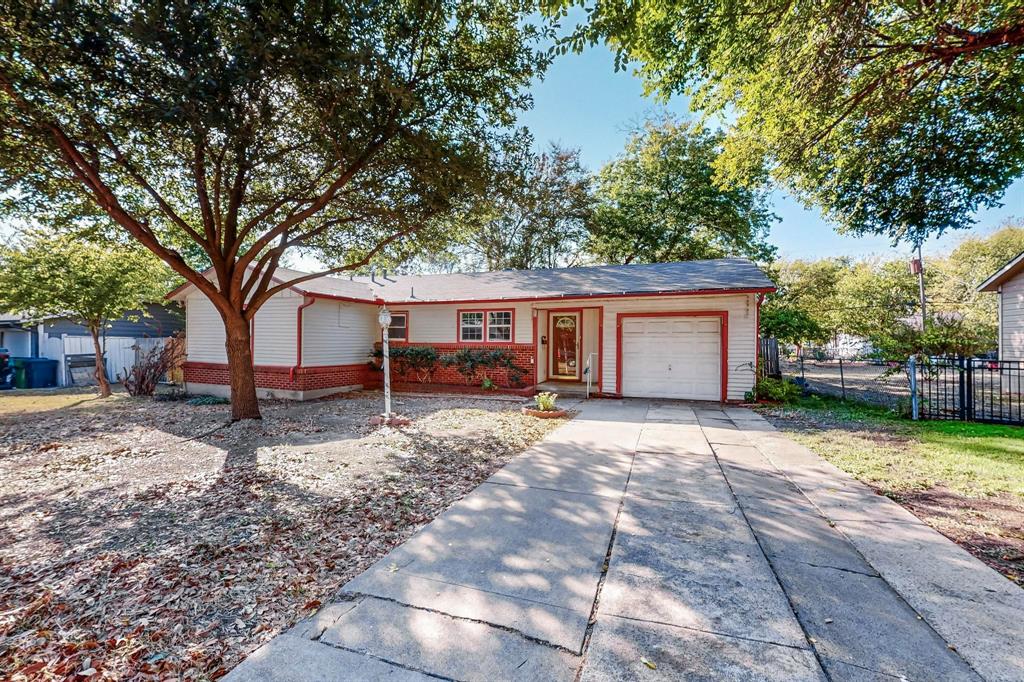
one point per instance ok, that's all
(545, 406)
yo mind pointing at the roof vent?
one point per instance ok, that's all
(373, 274)
(412, 292)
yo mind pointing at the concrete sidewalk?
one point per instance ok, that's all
(663, 541)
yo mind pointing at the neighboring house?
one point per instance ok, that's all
(1008, 283)
(58, 338)
(671, 330)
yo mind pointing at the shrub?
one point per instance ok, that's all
(474, 363)
(144, 376)
(546, 401)
(779, 390)
(421, 360)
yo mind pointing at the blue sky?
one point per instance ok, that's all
(584, 103)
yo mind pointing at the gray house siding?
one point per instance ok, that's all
(161, 321)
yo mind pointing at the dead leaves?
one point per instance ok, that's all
(134, 549)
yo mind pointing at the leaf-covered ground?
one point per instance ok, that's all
(150, 540)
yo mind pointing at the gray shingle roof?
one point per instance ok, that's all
(707, 275)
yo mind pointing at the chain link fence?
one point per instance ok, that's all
(962, 389)
(877, 382)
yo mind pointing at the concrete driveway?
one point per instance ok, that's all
(664, 541)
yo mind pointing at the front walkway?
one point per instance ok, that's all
(664, 541)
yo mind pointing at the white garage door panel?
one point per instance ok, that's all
(672, 357)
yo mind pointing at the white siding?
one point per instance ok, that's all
(338, 333)
(274, 330)
(1011, 319)
(742, 332)
(439, 323)
(204, 330)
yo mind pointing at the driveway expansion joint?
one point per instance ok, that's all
(716, 633)
(390, 662)
(359, 596)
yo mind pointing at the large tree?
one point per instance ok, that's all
(659, 201)
(535, 215)
(50, 275)
(896, 118)
(224, 133)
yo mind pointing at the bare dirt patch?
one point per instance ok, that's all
(990, 528)
(149, 540)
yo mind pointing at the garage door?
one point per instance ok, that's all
(672, 357)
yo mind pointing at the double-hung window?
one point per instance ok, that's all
(499, 325)
(471, 326)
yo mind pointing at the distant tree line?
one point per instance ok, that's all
(877, 299)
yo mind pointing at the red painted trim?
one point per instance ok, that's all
(484, 341)
(578, 312)
(536, 348)
(307, 301)
(350, 299)
(527, 299)
(721, 314)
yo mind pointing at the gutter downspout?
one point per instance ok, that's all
(307, 301)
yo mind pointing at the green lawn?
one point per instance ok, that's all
(896, 455)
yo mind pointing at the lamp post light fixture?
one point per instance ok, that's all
(384, 318)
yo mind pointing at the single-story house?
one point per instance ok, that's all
(669, 330)
(60, 338)
(1008, 283)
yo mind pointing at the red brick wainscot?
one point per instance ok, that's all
(524, 356)
(286, 378)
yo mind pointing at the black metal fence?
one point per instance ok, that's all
(971, 389)
(963, 389)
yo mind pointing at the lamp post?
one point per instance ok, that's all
(385, 321)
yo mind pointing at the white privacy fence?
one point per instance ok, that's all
(121, 353)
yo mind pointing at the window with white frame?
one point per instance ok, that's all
(471, 326)
(499, 325)
(399, 328)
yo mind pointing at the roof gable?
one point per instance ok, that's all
(1004, 274)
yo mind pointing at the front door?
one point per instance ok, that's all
(565, 346)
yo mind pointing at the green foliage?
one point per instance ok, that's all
(421, 360)
(659, 202)
(878, 299)
(474, 363)
(232, 134)
(789, 324)
(534, 215)
(487, 384)
(207, 400)
(777, 390)
(895, 118)
(546, 401)
(92, 284)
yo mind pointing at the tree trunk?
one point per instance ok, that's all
(101, 374)
(244, 404)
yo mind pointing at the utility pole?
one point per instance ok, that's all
(917, 267)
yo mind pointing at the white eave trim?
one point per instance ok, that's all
(993, 281)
